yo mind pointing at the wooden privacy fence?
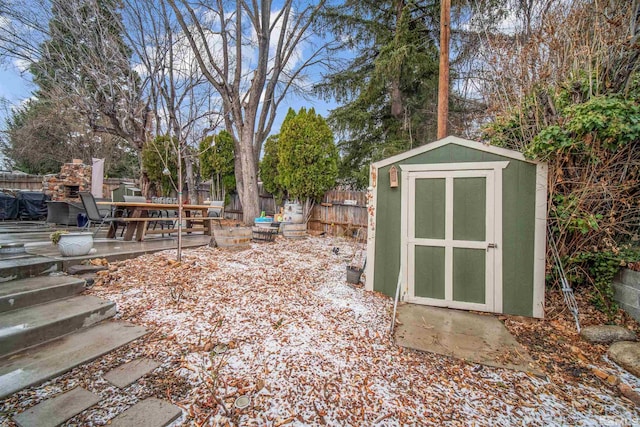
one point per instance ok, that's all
(341, 213)
(21, 181)
(233, 210)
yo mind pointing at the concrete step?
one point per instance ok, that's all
(38, 364)
(37, 290)
(12, 268)
(26, 327)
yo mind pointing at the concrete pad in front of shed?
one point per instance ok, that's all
(128, 373)
(55, 411)
(472, 337)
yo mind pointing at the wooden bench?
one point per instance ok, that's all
(175, 230)
(141, 231)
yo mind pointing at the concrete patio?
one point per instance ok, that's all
(29, 252)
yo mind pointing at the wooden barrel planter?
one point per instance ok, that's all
(232, 237)
(294, 231)
(293, 213)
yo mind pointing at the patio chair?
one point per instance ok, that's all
(171, 213)
(216, 210)
(94, 215)
(155, 213)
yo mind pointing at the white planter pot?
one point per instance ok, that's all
(75, 244)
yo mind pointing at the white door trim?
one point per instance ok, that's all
(455, 166)
(493, 173)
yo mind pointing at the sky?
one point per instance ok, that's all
(15, 88)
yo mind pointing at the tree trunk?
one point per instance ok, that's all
(247, 177)
(191, 181)
(397, 105)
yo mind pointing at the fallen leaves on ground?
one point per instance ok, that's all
(277, 323)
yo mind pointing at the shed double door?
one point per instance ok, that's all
(451, 240)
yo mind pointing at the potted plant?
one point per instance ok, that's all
(353, 274)
(55, 236)
(358, 260)
(72, 244)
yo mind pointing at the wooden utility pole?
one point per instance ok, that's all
(443, 82)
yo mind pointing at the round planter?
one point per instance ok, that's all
(75, 244)
(294, 231)
(232, 238)
(11, 248)
(293, 213)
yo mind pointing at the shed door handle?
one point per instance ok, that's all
(491, 246)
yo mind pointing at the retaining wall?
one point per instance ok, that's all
(627, 292)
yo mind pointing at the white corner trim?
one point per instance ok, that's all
(475, 145)
(405, 267)
(540, 240)
(454, 166)
(497, 237)
(372, 210)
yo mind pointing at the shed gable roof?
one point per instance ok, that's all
(512, 154)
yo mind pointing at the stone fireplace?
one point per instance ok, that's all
(73, 178)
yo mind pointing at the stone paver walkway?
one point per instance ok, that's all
(55, 411)
(130, 372)
(150, 412)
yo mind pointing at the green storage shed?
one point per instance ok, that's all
(459, 224)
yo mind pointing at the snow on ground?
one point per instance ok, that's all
(278, 323)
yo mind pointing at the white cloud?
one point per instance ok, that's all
(5, 23)
(22, 65)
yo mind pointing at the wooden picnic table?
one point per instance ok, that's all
(138, 218)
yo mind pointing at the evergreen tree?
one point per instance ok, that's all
(86, 46)
(307, 157)
(84, 74)
(269, 169)
(158, 157)
(388, 91)
(269, 172)
(217, 162)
